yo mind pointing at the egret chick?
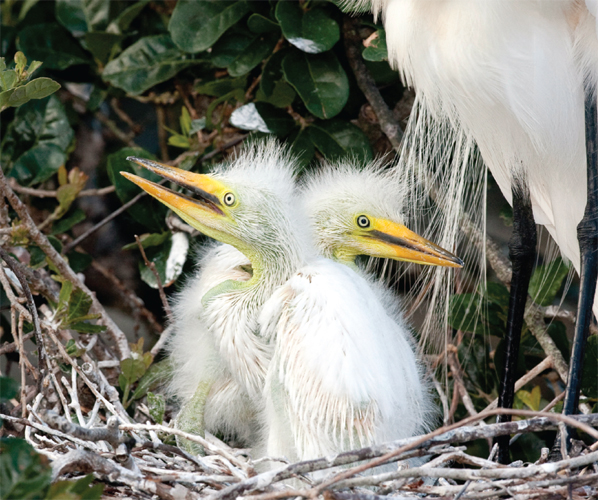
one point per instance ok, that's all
(249, 204)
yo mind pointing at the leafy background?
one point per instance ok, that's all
(86, 83)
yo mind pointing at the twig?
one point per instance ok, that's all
(109, 433)
(9, 347)
(63, 268)
(68, 247)
(459, 432)
(529, 376)
(472, 475)
(134, 302)
(534, 318)
(43, 193)
(458, 379)
(152, 268)
(162, 136)
(367, 85)
(162, 341)
(191, 437)
(41, 349)
(480, 416)
(113, 127)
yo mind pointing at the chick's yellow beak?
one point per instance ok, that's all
(394, 241)
(199, 211)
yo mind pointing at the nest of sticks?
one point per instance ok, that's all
(134, 460)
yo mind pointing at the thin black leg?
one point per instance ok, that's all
(522, 252)
(587, 234)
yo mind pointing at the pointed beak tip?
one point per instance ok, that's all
(459, 262)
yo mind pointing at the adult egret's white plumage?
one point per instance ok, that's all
(514, 76)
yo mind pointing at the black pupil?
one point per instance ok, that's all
(229, 198)
(363, 222)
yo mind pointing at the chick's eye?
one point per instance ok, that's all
(229, 199)
(363, 221)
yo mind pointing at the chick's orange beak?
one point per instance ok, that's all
(205, 206)
(403, 244)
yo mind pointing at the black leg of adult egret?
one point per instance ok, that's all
(522, 252)
(587, 234)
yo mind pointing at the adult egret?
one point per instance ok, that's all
(405, 377)
(520, 78)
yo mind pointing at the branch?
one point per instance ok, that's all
(367, 85)
(37, 330)
(152, 268)
(456, 433)
(43, 193)
(64, 269)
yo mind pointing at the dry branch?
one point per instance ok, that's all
(42, 242)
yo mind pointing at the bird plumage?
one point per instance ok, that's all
(510, 75)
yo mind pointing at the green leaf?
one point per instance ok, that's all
(169, 259)
(320, 81)
(197, 125)
(126, 17)
(302, 146)
(377, 51)
(146, 211)
(222, 86)
(81, 16)
(149, 240)
(196, 25)
(35, 89)
(9, 79)
(79, 305)
(75, 490)
(465, 313)
(272, 72)
(72, 349)
(546, 281)
(38, 164)
(589, 378)
(84, 327)
(37, 122)
(101, 44)
(9, 388)
(336, 139)
(79, 261)
(261, 24)
(65, 294)
(66, 223)
(558, 333)
(156, 406)
(282, 96)
(156, 374)
(262, 117)
(185, 121)
(51, 44)
(132, 369)
(150, 60)
(23, 473)
(20, 62)
(530, 399)
(240, 53)
(311, 31)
